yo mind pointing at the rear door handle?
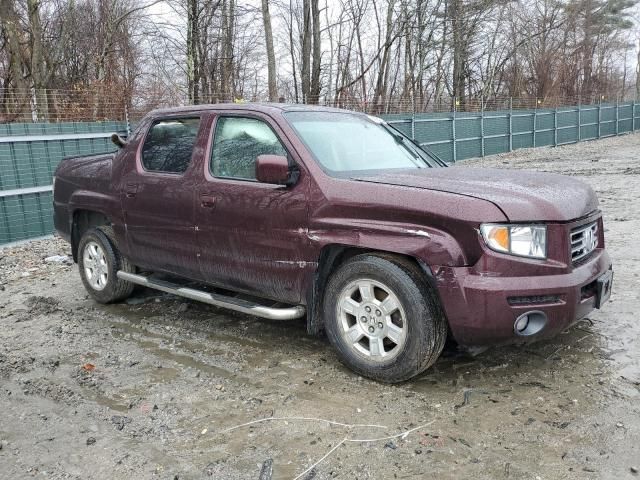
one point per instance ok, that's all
(207, 200)
(131, 189)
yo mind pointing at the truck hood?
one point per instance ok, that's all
(522, 196)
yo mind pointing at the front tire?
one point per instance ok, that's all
(99, 261)
(383, 319)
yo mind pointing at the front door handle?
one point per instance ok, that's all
(131, 189)
(207, 200)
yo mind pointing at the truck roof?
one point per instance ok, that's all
(251, 106)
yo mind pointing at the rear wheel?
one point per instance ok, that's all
(99, 261)
(382, 318)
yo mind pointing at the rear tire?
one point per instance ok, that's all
(383, 319)
(99, 261)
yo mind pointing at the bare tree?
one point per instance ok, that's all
(96, 57)
(271, 57)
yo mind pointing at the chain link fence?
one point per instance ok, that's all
(100, 104)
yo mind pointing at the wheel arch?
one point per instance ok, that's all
(81, 221)
(332, 256)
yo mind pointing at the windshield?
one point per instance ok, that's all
(344, 142)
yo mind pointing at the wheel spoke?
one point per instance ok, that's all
(366, 291)
(394, 333)
(355, 334)
(389, 305)
(376, 347)
(350, 306)
(86, 257)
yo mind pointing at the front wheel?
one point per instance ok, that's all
(99, 261)
(382, 318)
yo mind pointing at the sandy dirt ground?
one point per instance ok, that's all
(152, 388)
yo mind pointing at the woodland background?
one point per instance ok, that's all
(106, 59)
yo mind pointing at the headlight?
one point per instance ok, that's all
(522, 240)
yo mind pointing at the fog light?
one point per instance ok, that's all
(530, 323)
(522, 323)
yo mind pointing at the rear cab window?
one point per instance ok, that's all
(169, 143)
(237, 142)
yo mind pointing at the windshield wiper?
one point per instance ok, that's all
(415, 147)
(418, 160)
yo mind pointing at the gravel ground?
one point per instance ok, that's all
(151, 387)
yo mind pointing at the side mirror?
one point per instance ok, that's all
(273, 169)
(118, 140)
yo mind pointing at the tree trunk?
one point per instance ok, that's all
(230, 81)
(306, 51)
(314, 94)
(226, 62)
(638, 75)
(458, 84)
(38, 64)
(271, 56)
(192, 52)
(19, 108)
(383, 74)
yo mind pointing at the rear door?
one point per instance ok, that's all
(157, 192)
(252, 235)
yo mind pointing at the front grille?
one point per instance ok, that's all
(584, 240)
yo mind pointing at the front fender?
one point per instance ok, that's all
(430, 245)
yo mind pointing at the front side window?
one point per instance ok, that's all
(169, 145)
(237, 142)
(344, 142)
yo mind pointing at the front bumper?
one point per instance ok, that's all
(481, 308)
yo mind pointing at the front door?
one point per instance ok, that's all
(252, 235)
(157, 192)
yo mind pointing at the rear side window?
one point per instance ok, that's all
(237, 143)
(169, 145)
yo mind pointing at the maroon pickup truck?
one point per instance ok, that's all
(290, 211)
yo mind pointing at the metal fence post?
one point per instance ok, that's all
(555, 127)
(599, 115)
(617, 115)
(126, 118)
(535, 123)
(579, 119)
(453, 129)
(413, 126)
(510, 124)
(482, 126)
(633, 116)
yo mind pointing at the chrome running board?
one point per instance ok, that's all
(237, 304)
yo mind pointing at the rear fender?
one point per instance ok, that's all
(101, 209)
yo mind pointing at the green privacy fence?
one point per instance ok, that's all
(458, 135)
(29, 154)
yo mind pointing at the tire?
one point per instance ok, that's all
(98, 253)
(383, 318)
